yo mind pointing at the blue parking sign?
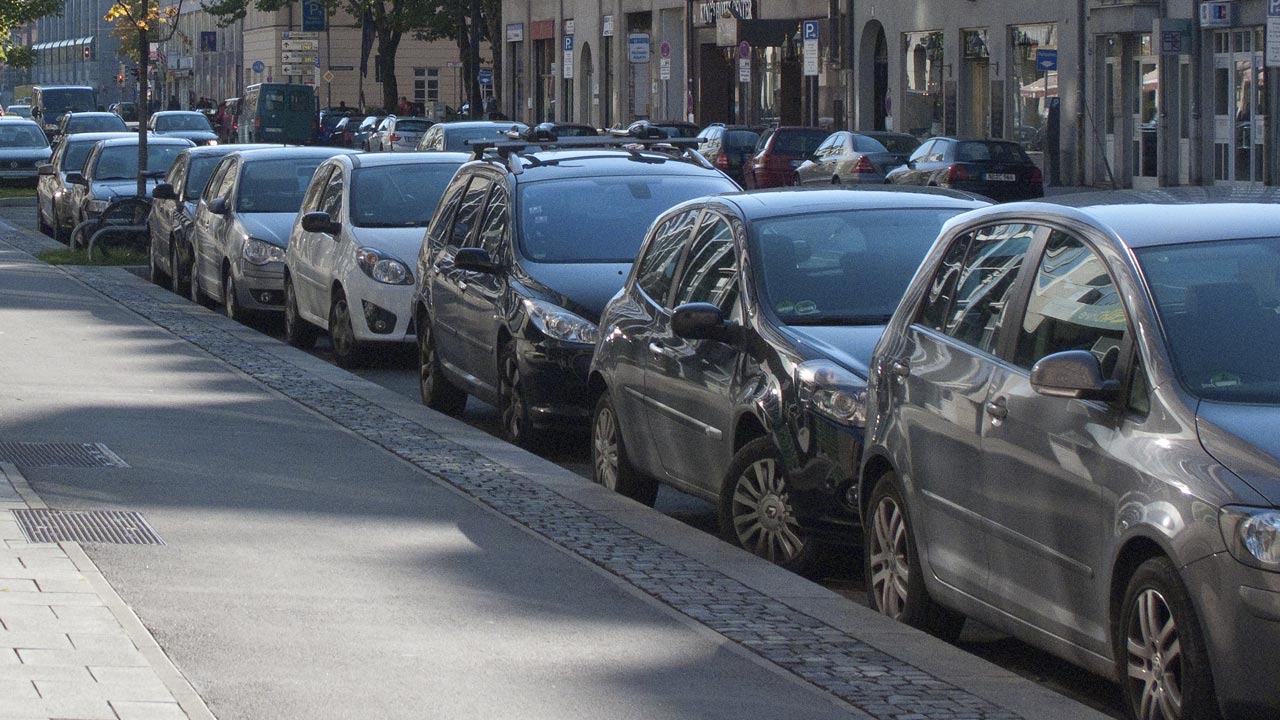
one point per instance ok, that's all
(1046, 60)
(1273, 8)
(811, 29)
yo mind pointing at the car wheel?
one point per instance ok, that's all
(297, 332)
(197, 295)
(756, 512)
(347, 352)
(436, 390)
(45, 228)
(1160, 648)
(175, 267)
(516, 426)
(154, 273)
(895, 580)
(835, 179)
(231, 300)
(609, 462)
(58, 233)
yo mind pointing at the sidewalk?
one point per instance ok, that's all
(334, 550)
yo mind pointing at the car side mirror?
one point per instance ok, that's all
(320, 222)
(1075, 374)
(46, 169)
(163, 191)
(701, 321)
(75, 178)
(475, 260)
(218, 206)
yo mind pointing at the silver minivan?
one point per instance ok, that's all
(1072, 436)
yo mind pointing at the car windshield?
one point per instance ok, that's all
(1000, 152)
(601, 219)
(19, 110)
(120, 162)
(275, 186)
(97, 123)
(798, 143)
(76, 153)
(399, 195)
(1219, 305)
(68, 100)
(455, 139)
(198, 172)
(177, 123)
(900, 144)
(848, 267)
(22, 135)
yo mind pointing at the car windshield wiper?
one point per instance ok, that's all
(410, 223)
(115, 177)
(835, 320)
(154, 173)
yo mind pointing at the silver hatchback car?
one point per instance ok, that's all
(1072, 436)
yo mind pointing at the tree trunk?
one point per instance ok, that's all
(493, 18)
(388, 43)
(144, 109)
(473, 55)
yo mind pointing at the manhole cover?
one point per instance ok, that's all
(28, 454)
(90, 526)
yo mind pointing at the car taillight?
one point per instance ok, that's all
(394, 138)
(1037, 177)
(957, 172)
(864, 166)
(722, 161)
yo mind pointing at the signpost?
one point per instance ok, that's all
(744, 62)
(568, 57)
(258, 66)
(664, 61)
(810, 36)
(1046, 60)
(313, 16)
(638, 48)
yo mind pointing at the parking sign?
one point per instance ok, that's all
(810, 34)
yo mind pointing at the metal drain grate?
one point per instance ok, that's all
(27, 454)
(117, 527)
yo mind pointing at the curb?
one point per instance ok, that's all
(13, 202)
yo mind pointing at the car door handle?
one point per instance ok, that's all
(997, 409)
(661, 350)
(900, 369)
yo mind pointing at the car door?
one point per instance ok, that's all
(482, 293)
(811, 170)
(206, 243)
(839, 165)
(688, 382)
(306, 247)
(48, 185)
(909, 172)
(942, 376)
(447, 301)
(164, 213)
(934, 168)
(1047, 462)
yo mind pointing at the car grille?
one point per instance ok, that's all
(16, 164)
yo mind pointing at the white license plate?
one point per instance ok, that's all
(1000, 177)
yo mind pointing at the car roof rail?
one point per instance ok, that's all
(543, 139)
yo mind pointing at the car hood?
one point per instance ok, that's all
(1245, 439)
(402, 244)
(582, 288)
(112, 189)
(195, 136)
(848, 345)
(269, 227)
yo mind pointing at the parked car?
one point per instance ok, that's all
(559, 129)
(19, 110)
(189, 124)
(747, 388)
(520, 259)
(329, 121)
(111, 172)
(343, 133)
(173, 211)
(1071, 439)
(360, 226)
(998, 169)
(367, 126)
(54, 213)
(728, 147)
(89, 122)
(453, 136)
(242, 225)
(283, 113)
(127, 111)
(780, 151)
(848, 158)
(649, 128)
(23, 149)
(399, 134)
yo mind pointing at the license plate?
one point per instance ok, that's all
(1000, 177)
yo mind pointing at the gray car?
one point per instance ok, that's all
(847, 158)
(23, 149)
(111, 172)
(54, 213)
(188, 124)
(453, 136)
(1072, 437)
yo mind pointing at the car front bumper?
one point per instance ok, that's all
(554, 374)
(822, 469)
(379, 312)
(261, 287)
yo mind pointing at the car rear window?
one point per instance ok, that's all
(983, 151)
(277, 100)
(95, 124)
(177, 123)
(864, 144)
(798, 143)
(741, 139)
(415, 126)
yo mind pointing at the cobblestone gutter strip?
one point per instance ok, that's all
(863, 676)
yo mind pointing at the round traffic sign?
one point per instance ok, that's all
(259, 66)
(744, 50)
(664, 50)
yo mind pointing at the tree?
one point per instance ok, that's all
(467, 22)
(13, 15)
(146, 22)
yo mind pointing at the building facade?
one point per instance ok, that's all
(78, 48)
(200, 60)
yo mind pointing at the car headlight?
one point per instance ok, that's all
(833, 392)
(560, 324)
(98, 206)
(382, 267)
(260, 252)
(1252, 535)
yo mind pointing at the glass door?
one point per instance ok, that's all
(1146, 126)
(1111, 113)
(1239, 112)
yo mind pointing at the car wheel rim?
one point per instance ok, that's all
(1155, 659)
(426, 363)
(890, 569)
(512, 402)
(342, 335)
(175, 279)
(290, 311)
(604, 447)
(762, 515)
(229, 297)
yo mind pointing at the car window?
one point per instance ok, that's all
(315, 191)
(864, 144)
(442, 220)
(176, 170)
(1004, 152)
(941, 291)
(198, 171)
(1074, 305)
(217, 181)
(938, 152)
(493, 231)
(797, 142)
(711, 268)
(331, 202)
(657, 266)
(922, 152)
(468, 211)
(275, 186)
(986, 284)
(400, 195)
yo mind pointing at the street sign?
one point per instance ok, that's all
(341, 68)
(328, 76)
(299, 45)
(295, 35)
(1273, 8)
(259, 66)
(568, 57)
(664, 68)
(744, 50)
(486, 78)
(1046, 60)
(1217, 14)
(298, 57)
(744, 70)
(1273, 40)
(638, 48)
(297, 69)
(313, 15)
(664, 50)
(810, 35)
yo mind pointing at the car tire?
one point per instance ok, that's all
(894, 577)
(58, 233)
(436, 390)
(1165, 671)
(610, 465)
(154, 273)
(175, 266)
(835, 179)
(297, 332)
(756, 512)
(45, 228)
(231, 299)
(348, 353)
(517, 427)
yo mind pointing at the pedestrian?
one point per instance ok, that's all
(342, 106)
(404, 106)
(173, 102)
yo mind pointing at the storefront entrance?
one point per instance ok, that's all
(1146, 126)
(1240, 102)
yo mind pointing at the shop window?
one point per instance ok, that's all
(924, 60)
(1036, 89)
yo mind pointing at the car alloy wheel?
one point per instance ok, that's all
(762, 514)
(516, 427)
(889, 567)
(175, 276)
(1155, 658)
(346, 349)
(230, 302)
(436, 390)
(297, 332)
(610, 464)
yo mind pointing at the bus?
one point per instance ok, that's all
(283, 113)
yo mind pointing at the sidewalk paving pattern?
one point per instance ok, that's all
(830, 658)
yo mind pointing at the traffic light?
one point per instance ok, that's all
(86, 52)
(120, 79)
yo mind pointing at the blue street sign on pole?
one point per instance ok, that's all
(810, 30)
(313, 16)
(1046, 60)
(1273, 8)
(486, 78)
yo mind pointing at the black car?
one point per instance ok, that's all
(89, 122)
(729, 147)
(998, 169)
(733, 364)
(524, 251)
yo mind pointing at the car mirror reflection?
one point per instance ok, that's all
(1075, 374)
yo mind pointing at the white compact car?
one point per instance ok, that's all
(350, 257)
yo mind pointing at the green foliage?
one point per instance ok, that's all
(107, 256)
(16, 191)
(16, 13)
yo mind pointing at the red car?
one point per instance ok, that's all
(779, 153)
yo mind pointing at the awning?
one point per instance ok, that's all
(70, 42)
(1037, 89)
